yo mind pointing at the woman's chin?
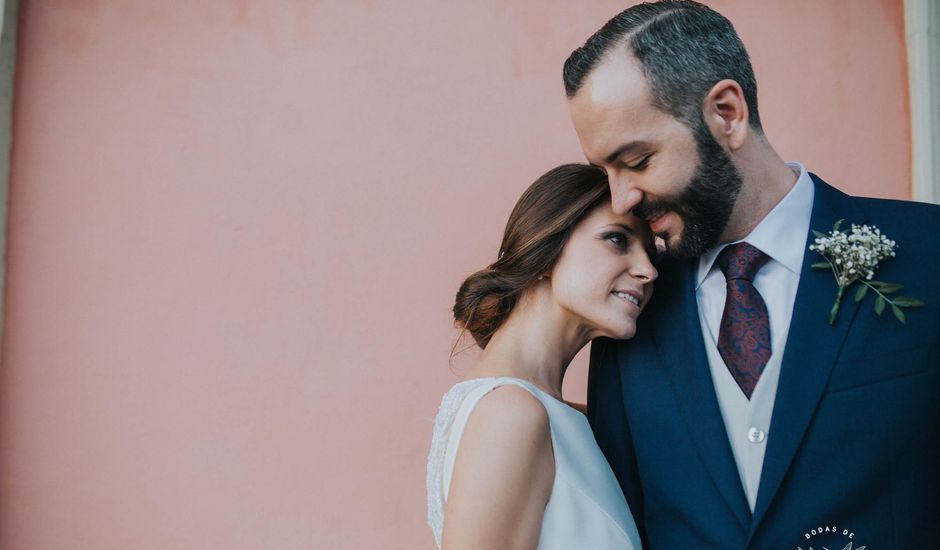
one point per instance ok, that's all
(621, 333)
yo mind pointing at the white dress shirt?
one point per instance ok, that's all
(781, 235)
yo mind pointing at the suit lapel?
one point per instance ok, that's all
(678, 336)
(812, 348)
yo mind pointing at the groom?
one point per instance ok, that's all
(739, 417)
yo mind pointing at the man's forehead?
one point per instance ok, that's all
(617, 78)
(613, 107)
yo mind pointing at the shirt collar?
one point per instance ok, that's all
(774, 235)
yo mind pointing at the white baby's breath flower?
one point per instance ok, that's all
(854, 256)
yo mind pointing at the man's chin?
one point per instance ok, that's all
(673, 243)
(680, 243)
(687, 246)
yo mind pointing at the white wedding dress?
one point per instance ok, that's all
(586, 508)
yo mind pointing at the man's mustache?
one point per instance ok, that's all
(647, 209)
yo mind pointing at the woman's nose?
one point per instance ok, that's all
(643, 269)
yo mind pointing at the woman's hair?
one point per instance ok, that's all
(535, 234)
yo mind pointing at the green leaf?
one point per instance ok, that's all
(897, 312)
(837, 224)
(879, 305)
(876, 284)
(819, 234)
(888, 288)
(860, 293)
(821, 265)
(907, 301)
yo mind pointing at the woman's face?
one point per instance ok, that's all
(604, 275)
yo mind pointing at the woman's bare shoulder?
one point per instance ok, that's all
(503, 473)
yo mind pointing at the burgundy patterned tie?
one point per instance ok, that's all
(744, 336)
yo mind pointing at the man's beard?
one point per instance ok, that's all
(706, 202)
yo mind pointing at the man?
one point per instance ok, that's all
(739, 417)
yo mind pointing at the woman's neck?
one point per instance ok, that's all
(536, 342)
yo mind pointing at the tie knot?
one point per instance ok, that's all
(741, 261)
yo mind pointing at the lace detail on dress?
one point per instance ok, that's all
(450, 404)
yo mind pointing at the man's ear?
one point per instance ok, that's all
(724, 110)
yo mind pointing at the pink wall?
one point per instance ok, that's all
(236, 229)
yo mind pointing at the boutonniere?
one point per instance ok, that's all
(854, 256)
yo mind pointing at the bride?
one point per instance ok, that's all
(512, 466)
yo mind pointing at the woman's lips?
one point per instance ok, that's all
(630, 296)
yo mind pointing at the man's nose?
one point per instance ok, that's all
(624, 196)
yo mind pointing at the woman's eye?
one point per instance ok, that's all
(618, 239)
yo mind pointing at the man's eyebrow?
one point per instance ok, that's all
(625, 148)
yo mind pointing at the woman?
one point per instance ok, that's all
(512, 466)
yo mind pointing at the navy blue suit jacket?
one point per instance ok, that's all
(855, 432)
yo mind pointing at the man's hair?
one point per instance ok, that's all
(685, 48)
